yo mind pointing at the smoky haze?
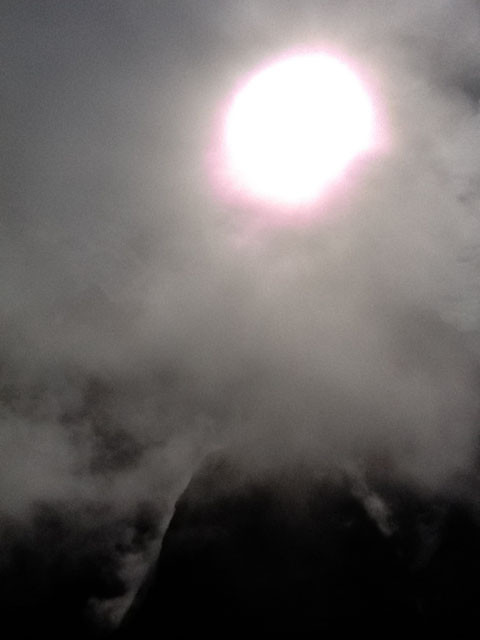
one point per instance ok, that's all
(145, 324)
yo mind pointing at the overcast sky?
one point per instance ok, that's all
(144, 323)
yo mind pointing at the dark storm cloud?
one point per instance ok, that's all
(140, 329)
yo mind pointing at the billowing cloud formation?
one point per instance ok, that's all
(145, 323)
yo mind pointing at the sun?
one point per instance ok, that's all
(294, 127)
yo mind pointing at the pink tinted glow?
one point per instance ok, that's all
(292, 130)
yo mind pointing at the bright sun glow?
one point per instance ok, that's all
(294, 127)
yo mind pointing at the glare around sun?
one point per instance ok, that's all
(294, 127)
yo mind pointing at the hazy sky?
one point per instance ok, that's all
(145, 323)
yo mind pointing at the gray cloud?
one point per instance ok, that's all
(144, 326)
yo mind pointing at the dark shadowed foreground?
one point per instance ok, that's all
(246, 563)
(243, 559)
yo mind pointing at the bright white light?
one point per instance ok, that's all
(294, 127)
